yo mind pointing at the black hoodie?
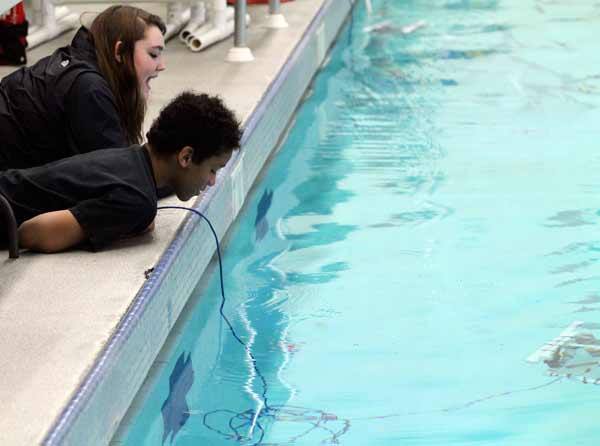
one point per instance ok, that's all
(59, 107)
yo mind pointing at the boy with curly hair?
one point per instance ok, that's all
(106, 195)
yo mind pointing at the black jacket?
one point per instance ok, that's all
(111, 193)
(59, 107)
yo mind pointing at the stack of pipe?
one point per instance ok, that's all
(49, 22)
(209, 25)
(177, 17)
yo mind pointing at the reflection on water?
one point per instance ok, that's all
(473, 5)
(572, 218)
(594, 298)
(573, 267)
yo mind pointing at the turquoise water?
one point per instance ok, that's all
(430, 222)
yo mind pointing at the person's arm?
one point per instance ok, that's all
(122, 213)
(51, 232)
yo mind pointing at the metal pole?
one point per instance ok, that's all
(274, 7)
(275, 18)
(240, 51)
(10, 222)
(239, 38)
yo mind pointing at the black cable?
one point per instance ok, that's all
(240, 420)
(264, 382)
(317, 419)
(249, 414)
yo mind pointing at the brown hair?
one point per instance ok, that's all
(127, 24)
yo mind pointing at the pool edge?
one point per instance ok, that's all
(93, 413)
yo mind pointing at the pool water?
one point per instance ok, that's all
(430, 223)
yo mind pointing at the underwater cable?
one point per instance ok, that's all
(235, 335)
(245, 425)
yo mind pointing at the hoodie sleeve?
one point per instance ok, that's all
(92, 119)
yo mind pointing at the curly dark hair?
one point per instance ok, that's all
(200, 121)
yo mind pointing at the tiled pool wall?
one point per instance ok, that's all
(95, 411)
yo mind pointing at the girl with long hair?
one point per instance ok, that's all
(89, 95)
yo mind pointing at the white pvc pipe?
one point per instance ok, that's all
(60, 12)
(218, 13)
(176, 24)
(45, 33)
(206, 27)
(177, 17)
(197, 18)
(51, 26)
(213, 35)
(192, 34)
(200, 41)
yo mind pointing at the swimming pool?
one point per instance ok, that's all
(428, 226)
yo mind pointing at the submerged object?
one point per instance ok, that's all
(548, 350)
(575, 353)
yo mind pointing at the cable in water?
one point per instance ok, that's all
(243, 426)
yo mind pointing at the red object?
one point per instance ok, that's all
(14, 16)
(256, 2)
(13, 36)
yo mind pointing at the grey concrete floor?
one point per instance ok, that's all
(58, 311)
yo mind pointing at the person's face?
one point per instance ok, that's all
(148, 59)
(194, 178)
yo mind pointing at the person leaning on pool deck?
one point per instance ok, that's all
(85, 96)
(105, 195)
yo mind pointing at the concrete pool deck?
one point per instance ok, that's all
(58, 312)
